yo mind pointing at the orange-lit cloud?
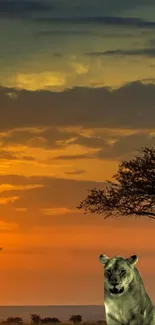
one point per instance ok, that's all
(6, 200)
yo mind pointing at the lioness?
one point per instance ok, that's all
(125, 298)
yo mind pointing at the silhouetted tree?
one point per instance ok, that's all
(50, 320)
(75, 319)
(15, 320)
(35, 318)
(133, 193)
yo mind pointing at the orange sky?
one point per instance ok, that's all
(63, 259)
(77, 96)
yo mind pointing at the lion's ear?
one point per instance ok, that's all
(103, 259)
(133, 259)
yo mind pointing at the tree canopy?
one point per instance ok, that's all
(132, 192)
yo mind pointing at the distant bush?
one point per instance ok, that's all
(35, 318)
(15, 320)
(75, 319)
(50, 320)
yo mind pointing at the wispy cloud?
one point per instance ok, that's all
(74, 157)
(62, 32)
(13, 187)
(22, 9)
(58, 211)
(148, 52)
(6, 227)
(100, 20)
(76, 172)
(8, 156)
(11, 199)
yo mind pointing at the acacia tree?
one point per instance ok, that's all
(132, 193)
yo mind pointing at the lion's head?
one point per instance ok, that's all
(119, 273)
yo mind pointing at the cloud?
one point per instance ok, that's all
(98, 6)
(29, 80)
(80, 33)
(114, 146)
(6, 227)
(77, 12)
(14, 187)
(74, 157)
(6, 155)
(61, 32)
(46, 205)
(49, 192)
(20, 209)
(76, 172)
(130, 106)
(22, 8)
(58, 211)
(148, 52)
(126, 146)
(96, 10)
(89, 141)
(6, 200)
(45, 137)
(100, 20)
(68, 126)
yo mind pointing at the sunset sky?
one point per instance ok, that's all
(77, 96)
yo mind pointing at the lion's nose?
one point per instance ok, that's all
(114, 282)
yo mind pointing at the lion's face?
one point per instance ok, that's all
(118, 273)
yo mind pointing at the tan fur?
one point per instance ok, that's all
(125, 298)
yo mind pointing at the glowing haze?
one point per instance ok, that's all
(77, 96)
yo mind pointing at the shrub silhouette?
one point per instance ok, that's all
(15, 320)
(35, 318)
(50, 320)
(75, 319)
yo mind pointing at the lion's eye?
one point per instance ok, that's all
(108, 272)
(123, 272)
